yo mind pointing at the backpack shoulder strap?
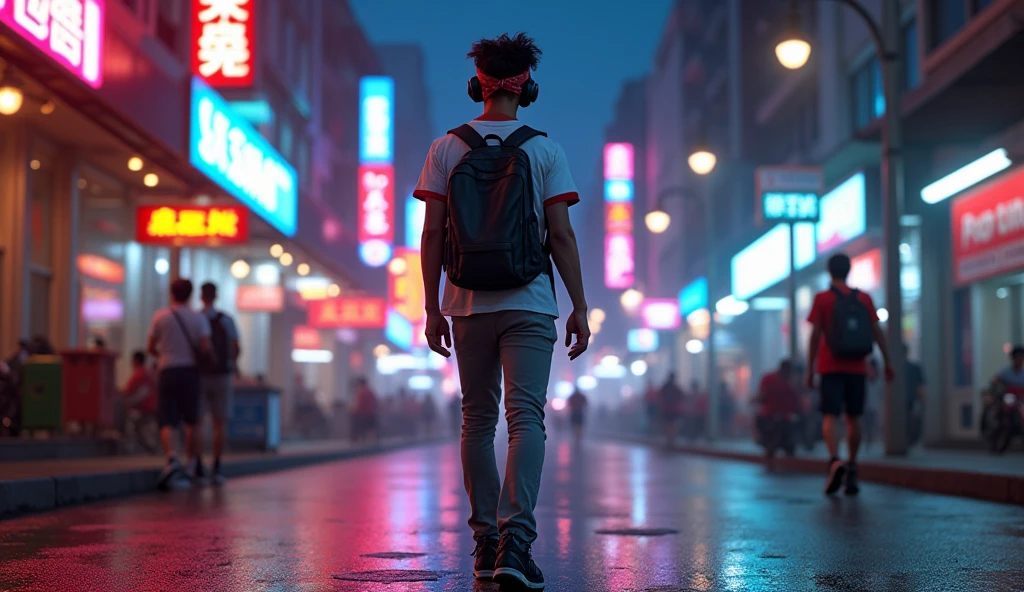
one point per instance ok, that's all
(470, 136)
(521, 135)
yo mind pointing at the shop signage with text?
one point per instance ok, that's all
(988, 230)
(347, 313)
(304, 337)
(100, 268)
(69, 31)
(223, 41)
(376, 213)
(227, 149)
(405, 290)
(191, 225)
(788, 193)
(619, 260)
(249, 298)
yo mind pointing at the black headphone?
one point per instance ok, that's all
(527, 97)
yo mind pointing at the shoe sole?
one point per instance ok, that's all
(835, 480)
(507, 576)
(483, 574)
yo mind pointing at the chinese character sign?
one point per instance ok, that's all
(235, 156)
(252, 298)
(618, 216)
(191, 225)
(790, 207)
(376, 213)
(347, 313)
(69, 31)
(223, 33)
(376, 120)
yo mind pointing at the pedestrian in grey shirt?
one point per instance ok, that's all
(178, 338)
(216, 382)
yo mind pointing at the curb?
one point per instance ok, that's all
(991, 487)
(22, 496)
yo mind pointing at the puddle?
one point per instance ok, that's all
(391, 576)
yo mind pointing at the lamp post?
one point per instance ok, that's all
(793, 52)
(702, 161)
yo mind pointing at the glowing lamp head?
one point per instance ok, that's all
(381, 350)
(793, 53)
(276, 250)
(135, 164)
(334, 290)
(303, 269)
(240, 269)
(398, 266)
(631, 300)
(702, 161)
(48, 108)
(11, 98)
(597, 316)
(657, 221)
(286, 259)
(151, 180)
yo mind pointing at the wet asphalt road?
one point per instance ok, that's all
(739, 528)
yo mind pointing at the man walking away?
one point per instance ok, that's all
(672, 401)
(216, 382)
(492, 187)
(179, 337)
(844, 334)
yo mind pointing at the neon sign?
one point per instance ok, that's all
(191, 225)
(661, 314)
(376, 119)
(223, 35)
(235, 156)
(398, 330)
(619, 263)
(405, 290)
(347, 313)
(376, 213)
(415, 215)
(69, 31)
(251, 298)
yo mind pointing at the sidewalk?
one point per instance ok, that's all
(33, 486)
(974, 474)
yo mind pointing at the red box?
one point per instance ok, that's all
(89, 391)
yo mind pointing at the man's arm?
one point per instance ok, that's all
(431, 259)
(812, 348)
(151, 340)
(566, 255)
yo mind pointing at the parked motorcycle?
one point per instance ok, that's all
(1002, 418)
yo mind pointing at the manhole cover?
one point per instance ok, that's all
(639, 532)
(391, 576)
(393, 555)
(771, 556)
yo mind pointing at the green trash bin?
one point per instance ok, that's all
(41, 393)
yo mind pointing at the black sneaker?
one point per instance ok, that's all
(852, 484)
(515, 568)
(171, 470)
(486, 554)
(836, 471)
(197, 472)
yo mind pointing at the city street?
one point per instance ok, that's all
(711, 525)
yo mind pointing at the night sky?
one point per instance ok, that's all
(590, 48)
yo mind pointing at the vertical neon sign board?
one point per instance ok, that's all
(223, 41)
(376, 173)
(619, 261)
(69, 31)
(235, 156)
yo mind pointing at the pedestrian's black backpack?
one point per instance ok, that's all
(493, 236)
(220, 342)
(851, 334)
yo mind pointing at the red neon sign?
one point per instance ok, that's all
(249, 298)
(347, 313)
(304, 337)
(223, 41)
(191, 225)
(377, 203)
(405, 289)
(100, 268)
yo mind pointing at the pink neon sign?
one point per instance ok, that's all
(69, 31)
(618, 261)
(661, 314)
(618, 161)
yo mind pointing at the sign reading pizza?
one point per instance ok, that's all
(988, 230)
(347, 313)
(191, 225)
(223, 40)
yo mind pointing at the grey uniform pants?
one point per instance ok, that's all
(519, 345)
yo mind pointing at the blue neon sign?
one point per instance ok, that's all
(415, 214)
(235, 156)
(376, 119)
(694, 296)
(398, 330)
(618, 190)
(642, 341)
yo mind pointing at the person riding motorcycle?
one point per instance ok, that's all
(1003, 415)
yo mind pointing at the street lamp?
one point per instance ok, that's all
(631, 300)
(888, 41)
(793, 50)
(11, 96)
(657, 221)
(702, 161)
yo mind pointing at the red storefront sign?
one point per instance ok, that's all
(866, 271)
(223, 41)
(347, 313)
(988, 230)
(191, 225)
(259, 298)
(377, 203)
(304, 337)
(69, 31)
(100, 268)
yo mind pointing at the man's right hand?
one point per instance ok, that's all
(577, 325)
(439, 337)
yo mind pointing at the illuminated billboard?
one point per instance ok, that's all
(69, 31)
(191, 225)
(619, 259)
(235, 156)
(376, 213)
(405, 285)
(347, 313)
(223, 41)
(376, 120)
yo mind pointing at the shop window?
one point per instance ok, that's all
(868, 93)
(948, 17)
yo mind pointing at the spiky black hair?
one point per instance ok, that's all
(504, 56)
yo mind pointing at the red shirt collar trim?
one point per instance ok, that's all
(495, 117)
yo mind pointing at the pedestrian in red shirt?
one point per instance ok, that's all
(845, 332)
(779, 407)
(140, 390)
